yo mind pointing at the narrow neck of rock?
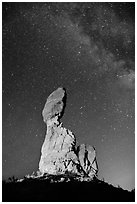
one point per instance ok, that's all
(52, 122)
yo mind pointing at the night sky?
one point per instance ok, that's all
(88, 48)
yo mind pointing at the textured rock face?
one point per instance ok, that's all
(87, 159)
(58, 151)
(59, 154)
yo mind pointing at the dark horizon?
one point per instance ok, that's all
(87, 48)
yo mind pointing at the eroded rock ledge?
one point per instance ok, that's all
(59, 153)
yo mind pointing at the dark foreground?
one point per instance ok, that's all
(42, 189)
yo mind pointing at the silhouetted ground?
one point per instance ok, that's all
(69, 190)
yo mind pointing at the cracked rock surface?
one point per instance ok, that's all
(59, 154)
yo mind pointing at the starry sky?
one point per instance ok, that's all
(88, 48)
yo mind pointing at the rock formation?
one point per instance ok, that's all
(87, 159)
(59, 154)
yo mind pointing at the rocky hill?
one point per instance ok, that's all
(64, 188)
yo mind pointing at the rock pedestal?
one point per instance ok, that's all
(59, 154)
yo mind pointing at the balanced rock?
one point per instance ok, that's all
(59, 154)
